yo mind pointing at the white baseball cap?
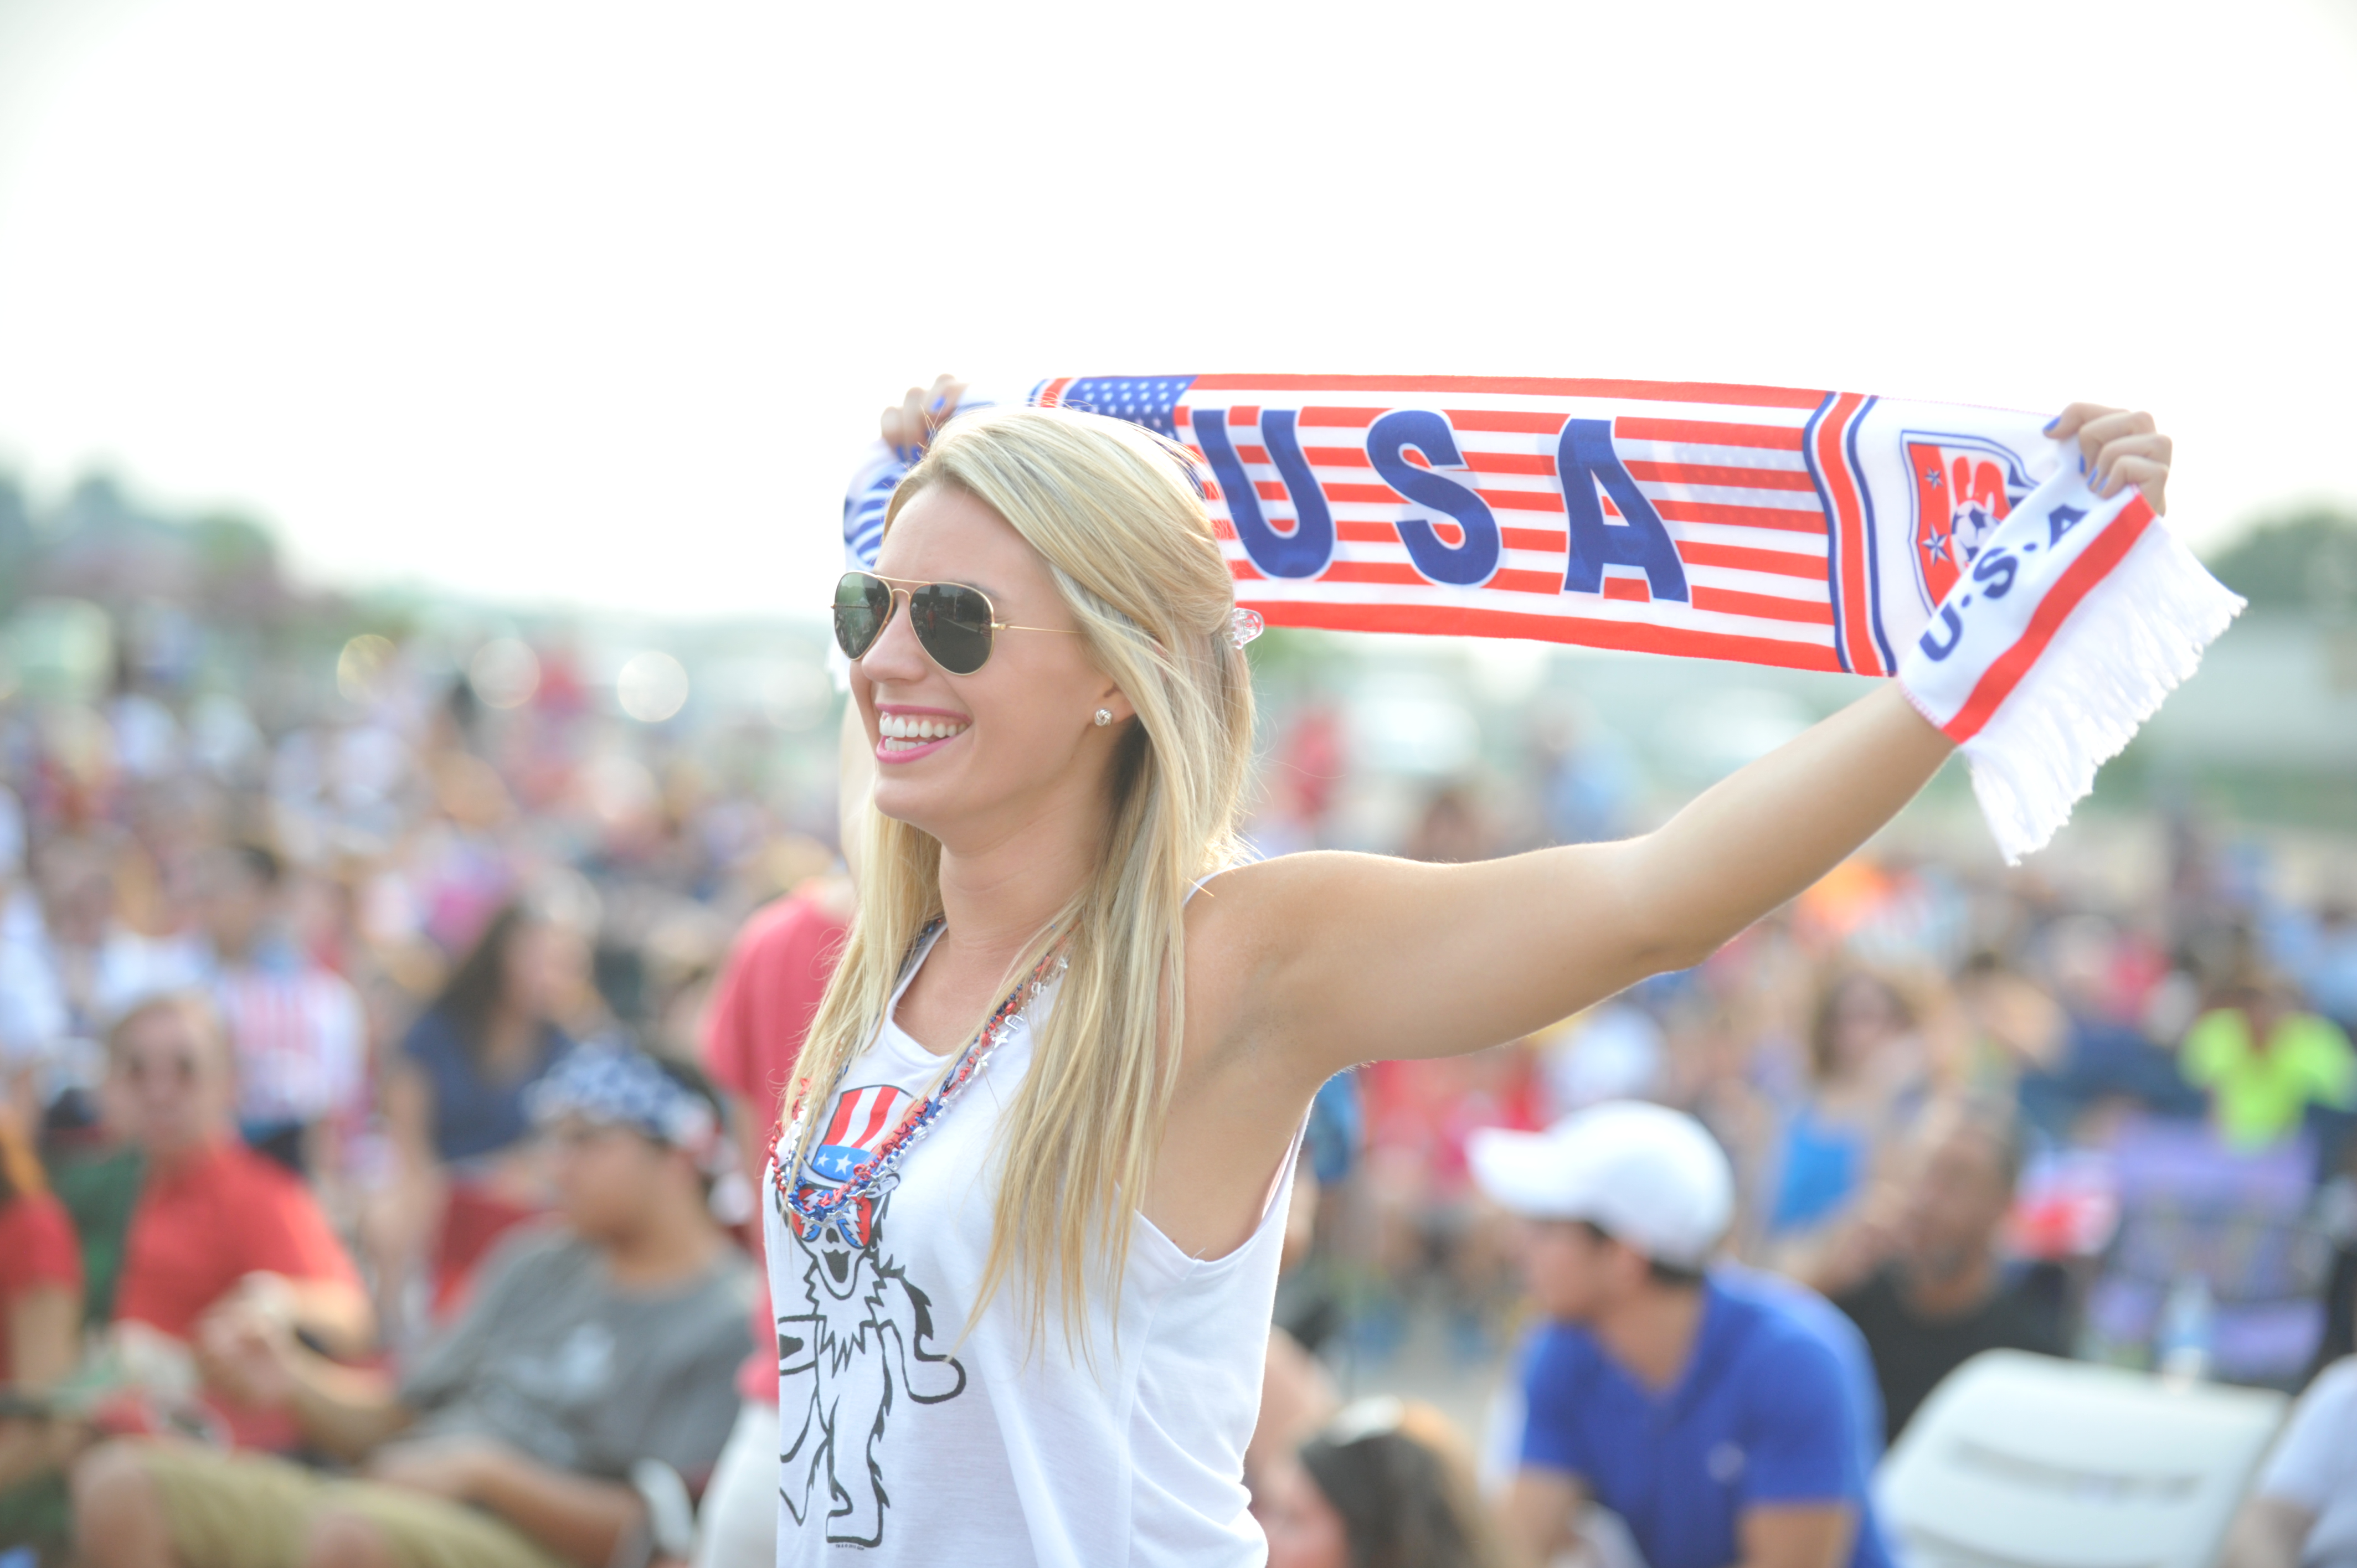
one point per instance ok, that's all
(1644, 1175)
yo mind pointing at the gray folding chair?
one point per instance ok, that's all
(2022, 1461)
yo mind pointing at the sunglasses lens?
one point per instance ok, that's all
(862, 605)
(952, 624)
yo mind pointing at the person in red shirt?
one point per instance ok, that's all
(40, 1310)
(40, 1268)
(40, 1288)
(766, 995)
(214, 1221)
(761, 1009)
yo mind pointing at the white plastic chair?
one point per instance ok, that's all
(2021, 1461)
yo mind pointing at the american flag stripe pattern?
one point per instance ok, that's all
(1757, 493)
(869, 495)
(862, 1116)
(862, 1119)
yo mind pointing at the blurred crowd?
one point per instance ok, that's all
(310, 1018)
(2168, 1091)
(1973, 1110)
(370, 1063)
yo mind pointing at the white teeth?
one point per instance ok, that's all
(915, 730)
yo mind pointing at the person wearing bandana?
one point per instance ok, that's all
(561, 1419)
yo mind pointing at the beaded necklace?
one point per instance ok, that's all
(874, 1175)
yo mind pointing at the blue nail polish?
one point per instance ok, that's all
(2096, 484)
(2051, 424)
(939, 402)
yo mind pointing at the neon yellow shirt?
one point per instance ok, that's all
(2257, 1097)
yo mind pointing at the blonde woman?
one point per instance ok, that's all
(1025, 1219)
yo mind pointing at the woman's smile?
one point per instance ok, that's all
(904, 733)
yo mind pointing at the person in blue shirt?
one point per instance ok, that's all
(1726, 1418)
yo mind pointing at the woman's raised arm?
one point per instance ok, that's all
(1347, 957)
(1364, 957)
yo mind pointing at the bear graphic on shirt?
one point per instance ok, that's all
(860, 1336)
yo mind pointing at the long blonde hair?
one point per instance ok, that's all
(1116, 512)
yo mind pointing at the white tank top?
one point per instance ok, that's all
(901, 1444)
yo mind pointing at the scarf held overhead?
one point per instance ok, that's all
(1956, 548)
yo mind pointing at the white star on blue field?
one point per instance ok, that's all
(1144, 400)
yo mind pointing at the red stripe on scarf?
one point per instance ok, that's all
(1743, 558)
(1703, 432)
(2005, 672)
(1522, 386)
(1710, 474)
(1635, 636)
(1812, 522)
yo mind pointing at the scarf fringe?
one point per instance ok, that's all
(2134, 640)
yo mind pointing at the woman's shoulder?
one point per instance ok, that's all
(1256, 882)
(1231, 904)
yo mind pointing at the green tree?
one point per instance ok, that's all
(15, 541)
(2305, 561)
(231, 547)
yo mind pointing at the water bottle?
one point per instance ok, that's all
(2189, 1328)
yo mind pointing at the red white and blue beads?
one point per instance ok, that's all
(871, 1176)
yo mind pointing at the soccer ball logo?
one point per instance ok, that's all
(1963, 487)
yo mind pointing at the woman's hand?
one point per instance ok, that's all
(2119, 448)
(908, 428)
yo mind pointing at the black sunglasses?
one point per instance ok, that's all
(953, 622)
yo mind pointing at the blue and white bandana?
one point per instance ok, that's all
(614, 1086)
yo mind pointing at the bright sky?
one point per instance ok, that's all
(559, 301)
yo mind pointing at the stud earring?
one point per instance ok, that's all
(1104, 717)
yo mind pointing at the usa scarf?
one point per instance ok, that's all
(1956, 549)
